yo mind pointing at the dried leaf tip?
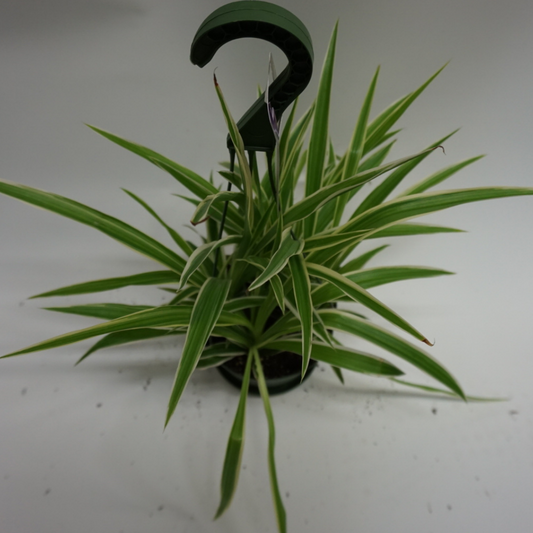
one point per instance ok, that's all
(215, 78)
(428, 343)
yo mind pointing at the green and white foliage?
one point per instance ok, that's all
(273, 278)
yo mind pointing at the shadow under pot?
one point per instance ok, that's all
(283, 371)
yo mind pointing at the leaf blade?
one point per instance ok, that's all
(302, 293)
(234, 447)
(111, 226)
(348, 323)
(205, 314)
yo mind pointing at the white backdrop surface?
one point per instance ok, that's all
(82, 449)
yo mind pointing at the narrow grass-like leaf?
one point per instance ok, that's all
(376, 276)
(302, 294)
(342, 321)
(288, 247)
(243, 302)
(222, 349)
(189, 292)
(446, 392)
(195, 183)
(358, 294)
(289, 170)
(286, 133)
(111, 226)
(304, 208)
(328, 212)
(201, 254)
(327, 240)
(232, 459)
(204, 207)
(439, 177)
(281, 515)
(355, 150)
(241, 156)
(373, 277)
(384, 189)
(108, 311)
(405, 230)
(211, 362)
(158, 317)
(338, 372)
(205, 314)
(383, 123)
(126, 337)
(420, 204)
(360, 261)
(340, 356)
(176, 237)
(233, 177)
(377, 121)
(375, 159)
(277, 287)
(319, 132)
(101, 285)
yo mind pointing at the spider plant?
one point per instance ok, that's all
(272, 279)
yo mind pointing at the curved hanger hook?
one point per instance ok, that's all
(271, 23)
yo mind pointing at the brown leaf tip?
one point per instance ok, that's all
(428, 343)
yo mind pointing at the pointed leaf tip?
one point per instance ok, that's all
(429, 343)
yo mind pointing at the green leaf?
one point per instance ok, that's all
(158, 317)
(319, 132)
(439, 177)
(286, 133)
(342, 321)
(281, 515)
(302, 294)
(238, 144)
(232, 177)
(176, 237)
(222, 349)
(382, 191)
(447, 393)
(338, 372)
(356, 148)
(101, 285)
(326, 240)
(244, 302)
(113, 227)
(382, 124)
(201, 254)
(420, 204)
(204, 207)
(304, 208)
(358, 294)
(125, 337)
(359, 262)
(288, 247)
(374, 277)
(195, 183)
(277, 287)
(340, 356)
(232, 459)
(205, 315)
(404, 230)
(103, 310)
(183, 295)
(289, 171)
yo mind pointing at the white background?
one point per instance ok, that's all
(82, 449)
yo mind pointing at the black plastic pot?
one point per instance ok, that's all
(282, 371)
